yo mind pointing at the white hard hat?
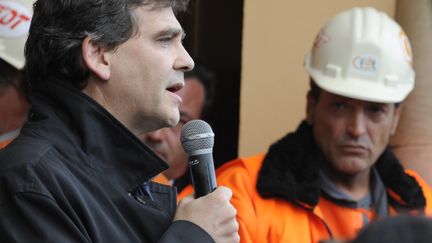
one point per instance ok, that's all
(15, 18)
(362, 54)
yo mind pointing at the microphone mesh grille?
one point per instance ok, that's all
(191, 139)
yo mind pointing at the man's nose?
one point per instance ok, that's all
(184, 61)
(356, 126)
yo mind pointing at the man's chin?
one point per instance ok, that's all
(354, 166)
(169, 120)
(173, 119)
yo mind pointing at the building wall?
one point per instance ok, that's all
(276, 36)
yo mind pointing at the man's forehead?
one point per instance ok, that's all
(333, 96)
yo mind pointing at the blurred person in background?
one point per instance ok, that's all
(400, 229)
(16, 17)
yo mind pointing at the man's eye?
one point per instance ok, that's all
(339, 105)
(165, 39)
(376, 109)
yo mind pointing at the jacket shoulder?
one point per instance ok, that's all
(427, 192)
(24, 150)
(247, 166)
(22, 166)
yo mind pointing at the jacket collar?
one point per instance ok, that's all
(291, 166)
(74, 122)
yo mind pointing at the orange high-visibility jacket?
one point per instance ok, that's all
(277, 220)
(7, 138)
(4, 143)
(278, 196)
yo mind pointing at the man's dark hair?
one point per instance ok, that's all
(58, 28)
(315, 91)
(10, 77)
(404, 229)
(208, 80)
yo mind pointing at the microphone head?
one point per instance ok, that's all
(197, 137)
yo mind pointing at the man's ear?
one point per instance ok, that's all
(397, 114)
(310, 108)
(95, 58)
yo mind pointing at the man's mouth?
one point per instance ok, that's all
(176, 87)
(354, 149)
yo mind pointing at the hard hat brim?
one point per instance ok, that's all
(365, 90)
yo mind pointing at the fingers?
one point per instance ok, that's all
(230, 214)
(186, 200)
(224, 191)
(230, 232)
(231, 227)
(214, 213)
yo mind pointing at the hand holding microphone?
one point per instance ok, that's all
(212, 210)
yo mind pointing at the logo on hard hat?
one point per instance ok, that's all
(365, 63)
(320, 39)
(406, 47)
(14, 19)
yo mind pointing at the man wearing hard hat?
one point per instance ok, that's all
(336, 172)
(14, 25)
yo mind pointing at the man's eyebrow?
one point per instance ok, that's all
(171, 32)
(185, 115)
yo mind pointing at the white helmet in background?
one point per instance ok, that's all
(15, 18)
(362, 54)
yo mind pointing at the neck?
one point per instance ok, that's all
(357, 186)
(98, 91)
(107, 96)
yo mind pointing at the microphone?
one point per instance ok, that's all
(197, 139)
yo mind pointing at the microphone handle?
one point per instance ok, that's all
(202, 173)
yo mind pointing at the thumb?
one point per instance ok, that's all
(225, 191)
(186, 200)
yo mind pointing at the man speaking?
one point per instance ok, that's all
(102, 72)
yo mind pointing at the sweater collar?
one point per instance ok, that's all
(291, 171)
(77, 123)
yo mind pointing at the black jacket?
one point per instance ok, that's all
(76, 174)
